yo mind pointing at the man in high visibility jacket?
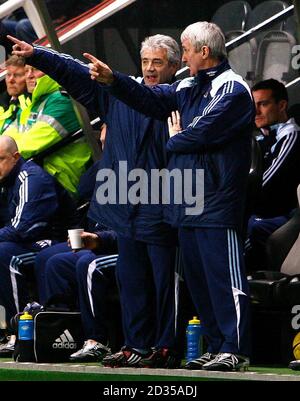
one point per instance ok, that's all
(15, 86)
(45, 119)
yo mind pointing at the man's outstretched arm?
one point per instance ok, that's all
(72, 74)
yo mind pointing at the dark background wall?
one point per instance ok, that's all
(117, 39)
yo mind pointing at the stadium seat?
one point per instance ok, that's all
(294, 112)
(281, 241)
(264, 11)
(243, 59)
(274, 57)
(232, 16)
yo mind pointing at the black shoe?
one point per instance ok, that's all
(196, 364)
(226, 362)
(161, 358)
(295, 365)
(126, 357)
(90, 352)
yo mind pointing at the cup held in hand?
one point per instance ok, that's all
(75, 238)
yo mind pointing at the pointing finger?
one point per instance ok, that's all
(90, 57)
(15, 40)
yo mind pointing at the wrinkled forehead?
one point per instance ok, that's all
(154, 53)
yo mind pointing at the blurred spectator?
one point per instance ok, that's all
(15, 82)
(280, 145)
(45, 120)
(9, 105)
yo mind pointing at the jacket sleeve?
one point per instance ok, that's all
(57, 122)
(284, 164)
(108, 242)
(222, 119)
(73, 75)
(37, 205)
(157, 101)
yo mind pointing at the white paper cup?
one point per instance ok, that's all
(75, 238)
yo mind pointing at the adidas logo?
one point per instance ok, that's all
(65, 340)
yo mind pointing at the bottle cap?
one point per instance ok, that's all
(195, 320)
(26, 316)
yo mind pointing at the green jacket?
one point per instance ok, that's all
(7, 116)
(45, 120)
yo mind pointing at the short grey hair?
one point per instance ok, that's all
(208, 34)
(165, 42)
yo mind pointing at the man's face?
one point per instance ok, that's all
(156, 67)
(32, 75)
(15, 80)
(268, 112)
(194, 60)
(7, 162)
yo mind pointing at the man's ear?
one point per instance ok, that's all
(283, 105)
(16, 156)
(205, 50)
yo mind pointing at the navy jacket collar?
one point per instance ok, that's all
(206, 76)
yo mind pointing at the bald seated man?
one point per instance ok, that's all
(32, 204)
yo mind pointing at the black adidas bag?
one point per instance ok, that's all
(57, 335)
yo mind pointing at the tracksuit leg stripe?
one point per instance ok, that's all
(91, 269)
(213, 264)
(98, 264)
(16, 262)
(233, 259)
(235, 275)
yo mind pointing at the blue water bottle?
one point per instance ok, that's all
(25, 329)
(25, 338)
(193, 339)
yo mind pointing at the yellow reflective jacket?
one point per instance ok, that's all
(45, 120)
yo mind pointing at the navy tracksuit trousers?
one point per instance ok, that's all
(258, 232)
(86, 277)
(215, 276)
(15, 262)
(145, 276)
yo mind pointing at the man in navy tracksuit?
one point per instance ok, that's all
(84, 279)
(145, 269)
(216, 111)
(280, 148)
(33, 202)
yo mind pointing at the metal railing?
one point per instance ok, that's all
(245, 36)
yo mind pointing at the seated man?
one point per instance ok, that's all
(84, 276)
(45, 120)
(280, 145)
(33, 204)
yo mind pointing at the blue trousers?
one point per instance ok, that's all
(87, 277)
(145, 276)
(16, 261)
(215, 276)
(258, 232)
(40, 267)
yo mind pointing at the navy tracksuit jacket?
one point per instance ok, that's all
(145, 269)
(217, 115)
